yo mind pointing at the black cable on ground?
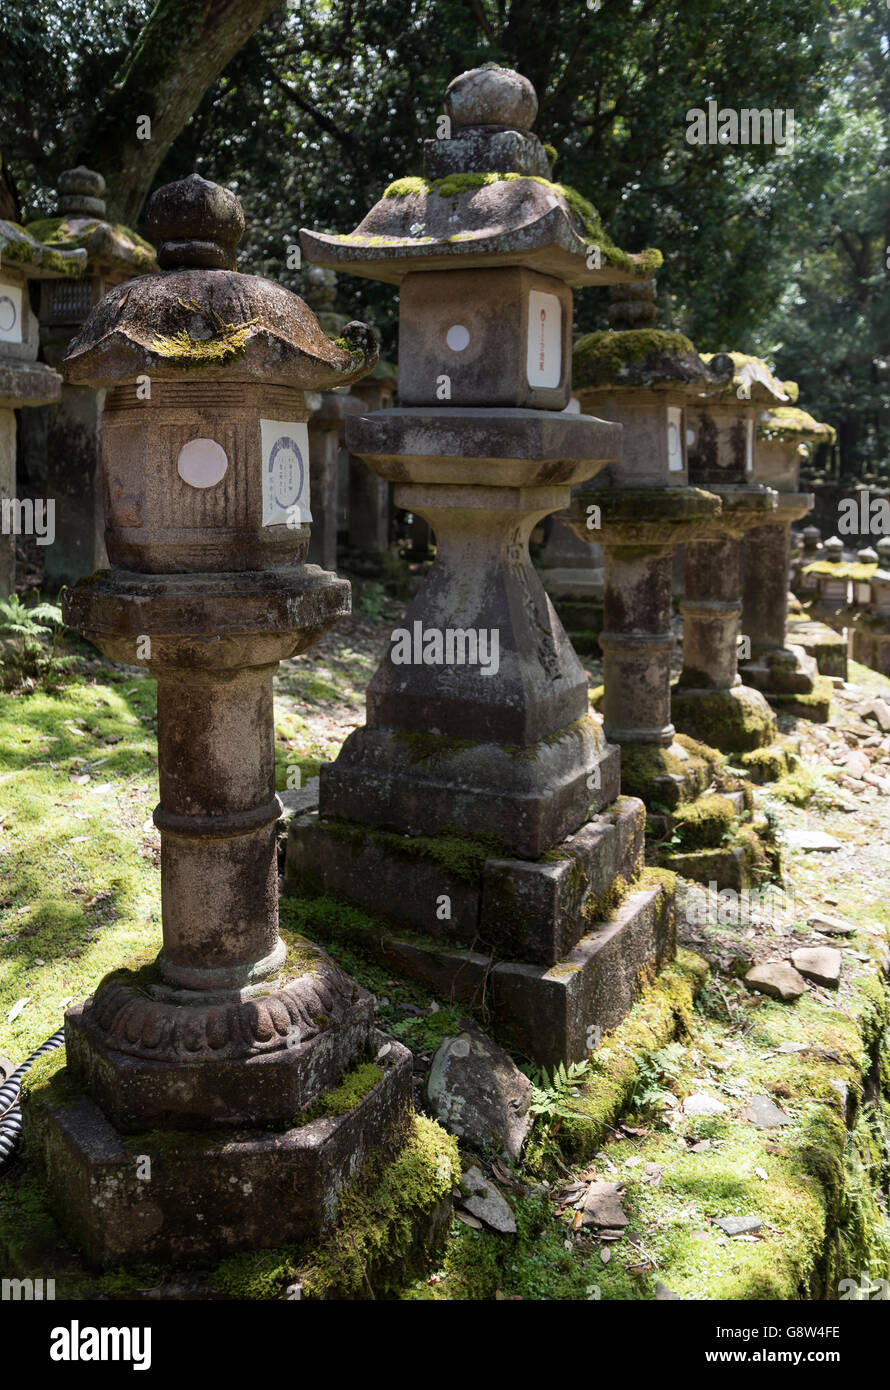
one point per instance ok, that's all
(10, 1109)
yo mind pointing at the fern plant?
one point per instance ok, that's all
(551, 1096)
(30, 661)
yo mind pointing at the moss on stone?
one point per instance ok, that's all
(353, 1088)
(722, 720)
(653, 773)
(844, 569)
(599, 358)
(584, 213)
(790, 422)
(704, 823)
(228, 340)
(458, 854)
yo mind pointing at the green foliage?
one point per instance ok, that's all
(654, 1070)
(27, 662)
(551, 1097)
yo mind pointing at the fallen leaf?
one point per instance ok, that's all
(17, 1008)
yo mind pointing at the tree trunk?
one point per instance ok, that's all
(182, 50)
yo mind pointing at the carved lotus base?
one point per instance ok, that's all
(151, 1055)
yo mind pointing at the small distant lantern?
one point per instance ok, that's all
(24, 382)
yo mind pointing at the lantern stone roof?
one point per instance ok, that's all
(486, 199)
(36, 260)
(80, 224)
(752, 380)
(635, 355)
(201, 314)
(791, 423)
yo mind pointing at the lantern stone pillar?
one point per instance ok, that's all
(642, 377)
(62, 442)
(480, 755)
(326, 426)
(785, 673)
(25, 383)
(710, 702)
(370, 496)
(228, 1030)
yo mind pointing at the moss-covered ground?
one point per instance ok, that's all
(80, 893)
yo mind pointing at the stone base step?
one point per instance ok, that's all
(555, 1014)
(823, 643)
(202, 1196)
(463, 895)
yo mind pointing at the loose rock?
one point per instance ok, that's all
(763, 1113)
(821, 964)
(832, 926)
(602, 1206)
(778, 980)
(738, 1225)
(703, 1104)
(477, 1092)
(486, 1203)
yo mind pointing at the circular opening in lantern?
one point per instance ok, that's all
(202, 463)
(457, 337)
(7, 313)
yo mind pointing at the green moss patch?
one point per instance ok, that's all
(600, 358)
(584, 213)
(704, 823)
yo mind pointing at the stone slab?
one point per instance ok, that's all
(529, 910)
(206, 1196)
(552, 1015)
(530, 798)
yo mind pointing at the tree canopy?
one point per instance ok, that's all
(309, 109)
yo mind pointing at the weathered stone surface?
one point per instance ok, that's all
(210, 1196)
(602, 1206)
(738, 1225)
(776, 979)
(528, 798)
(763, 1113)
(879, 711)
(832, 926)
(813, 840)
(491, 95)
(487, 1203)
(702, 1104)
(821, 964)
(528, 910)
(477, 1092)
(552, 1015)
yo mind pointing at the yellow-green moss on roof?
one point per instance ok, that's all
(119, 241)
(788, 421)
(19, 246)
(452, 185)
(849, 569)
(599, 357)
(758, 371)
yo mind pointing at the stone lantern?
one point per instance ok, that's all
(871, 627)
(24, 382)
(832, 578)
(709, 701)
(327, 449)
(62, 443)
(480, 755)
(228, 1032)
(785, 673)
(639, 510)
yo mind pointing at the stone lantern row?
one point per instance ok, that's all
(477, 814)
